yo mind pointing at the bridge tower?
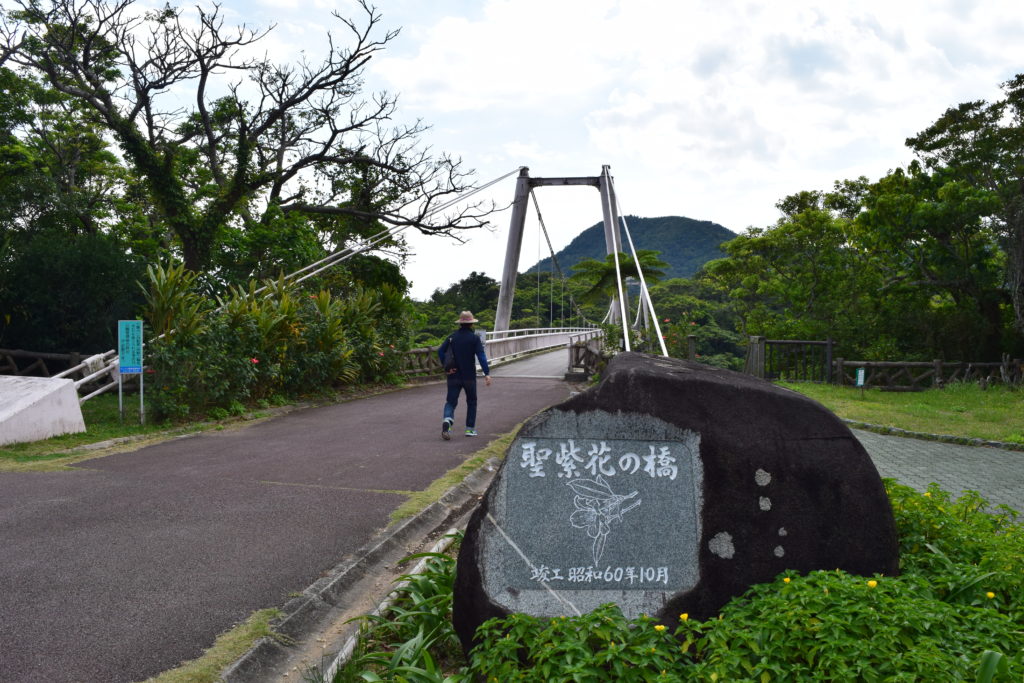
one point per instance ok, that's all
(612, 236)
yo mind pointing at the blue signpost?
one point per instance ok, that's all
(129, 361)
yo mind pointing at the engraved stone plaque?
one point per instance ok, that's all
(589, 519)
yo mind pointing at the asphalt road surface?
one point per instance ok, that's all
(129, 564)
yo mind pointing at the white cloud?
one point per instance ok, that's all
(702, 108)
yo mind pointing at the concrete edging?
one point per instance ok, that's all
(924, 436)
(303, 614)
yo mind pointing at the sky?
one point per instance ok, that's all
(711, 110)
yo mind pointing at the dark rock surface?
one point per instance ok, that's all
(670, 487)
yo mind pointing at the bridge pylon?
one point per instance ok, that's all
(612, 236)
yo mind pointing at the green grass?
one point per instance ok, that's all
(102, 422)
(964, 410)
(226, 649)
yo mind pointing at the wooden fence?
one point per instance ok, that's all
(794, 360)
(34, 364)
(912, 376)
(811, 361)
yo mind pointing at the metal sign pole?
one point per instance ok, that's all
(142, 393)
(129, 361)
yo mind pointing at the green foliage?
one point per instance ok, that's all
(600, 277)
(954, 614)
(966, 550)
(413, 640)
(599, 646)
(263, 343)
(62, 293)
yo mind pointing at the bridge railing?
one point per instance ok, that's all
(502, 346)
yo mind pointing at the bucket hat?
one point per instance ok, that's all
(466, 317)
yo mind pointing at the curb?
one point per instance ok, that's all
(924, 436)
(303, 614)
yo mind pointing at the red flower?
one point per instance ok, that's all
(665, 320)
(254, 360)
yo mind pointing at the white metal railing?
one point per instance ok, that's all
(92, 369)
(501, 346)
(511, 343)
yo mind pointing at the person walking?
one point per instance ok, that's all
(467, 348)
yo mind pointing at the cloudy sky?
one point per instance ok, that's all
(713, 110)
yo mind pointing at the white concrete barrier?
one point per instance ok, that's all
(34, 408)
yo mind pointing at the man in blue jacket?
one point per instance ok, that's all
(468, 348)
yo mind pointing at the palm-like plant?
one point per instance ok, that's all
(599, 276)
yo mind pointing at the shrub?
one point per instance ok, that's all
(958, 597)
(954, 614)
(264, 343)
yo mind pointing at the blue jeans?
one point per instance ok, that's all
(455, 385)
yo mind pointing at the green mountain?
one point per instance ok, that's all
(685, 244)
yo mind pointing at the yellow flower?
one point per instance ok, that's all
(927, 494)
(990, 595)
(872, 583)
(659, 627)
(786, 580)
(684, 616)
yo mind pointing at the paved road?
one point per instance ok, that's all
(998, 474)
(132, 563)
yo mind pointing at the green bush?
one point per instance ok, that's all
(954, 614)
(260, 344)
(960, 595)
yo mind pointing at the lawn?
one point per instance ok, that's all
(967, 410)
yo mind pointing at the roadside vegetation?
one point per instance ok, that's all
(956, 613)
(961, 409)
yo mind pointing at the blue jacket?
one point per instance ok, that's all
(466, 345)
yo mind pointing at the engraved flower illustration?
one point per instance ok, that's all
(597, 506)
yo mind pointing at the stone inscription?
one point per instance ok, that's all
(603, 514)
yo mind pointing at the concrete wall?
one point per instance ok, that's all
(34, 408)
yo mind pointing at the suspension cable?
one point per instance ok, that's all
(645, 294)
(554, 260)
(346, 253)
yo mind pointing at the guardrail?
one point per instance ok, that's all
(502, 346)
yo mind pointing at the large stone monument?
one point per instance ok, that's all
(669, 487)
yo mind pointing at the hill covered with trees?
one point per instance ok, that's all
(684, 243)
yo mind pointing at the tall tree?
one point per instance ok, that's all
(982, 143)
(600, 276)
(216, 153)
(929, 232)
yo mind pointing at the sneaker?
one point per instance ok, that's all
(446, 430)
(470, 432)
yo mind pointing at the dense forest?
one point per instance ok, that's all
(684, 243)
(104, 174)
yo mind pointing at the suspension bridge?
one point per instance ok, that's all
(38, 409)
